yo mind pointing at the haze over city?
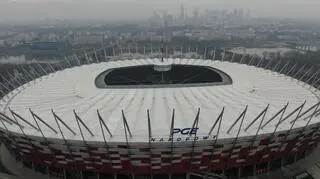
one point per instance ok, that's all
(113, 10)
(159, 89)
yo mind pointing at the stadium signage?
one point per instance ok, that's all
(182, 139)
(184, 131)
(183, 135)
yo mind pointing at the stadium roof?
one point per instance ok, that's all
(74, 89)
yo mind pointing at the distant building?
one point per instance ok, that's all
(47, 46)
(88, 39)
(46, 49)
(156, 38)
(182, 16)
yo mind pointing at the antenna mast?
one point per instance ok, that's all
(162, 65)
(162, 50)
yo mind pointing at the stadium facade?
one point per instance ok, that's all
(160, 118)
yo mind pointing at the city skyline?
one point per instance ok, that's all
(110, 10)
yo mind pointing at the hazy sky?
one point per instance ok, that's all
(134, 9)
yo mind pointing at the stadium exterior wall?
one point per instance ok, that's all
(159, 157)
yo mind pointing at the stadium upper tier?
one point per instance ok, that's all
(72, 93)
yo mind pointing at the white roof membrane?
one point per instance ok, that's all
(74, 89)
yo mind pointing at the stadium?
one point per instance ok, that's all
(159, 117)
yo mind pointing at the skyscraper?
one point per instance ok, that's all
(182, 12)
(248, 14)
(196, 14)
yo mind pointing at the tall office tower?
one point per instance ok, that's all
(196, 13)
(240, 13)
(248, 15)
(182, 17)
(235, 12)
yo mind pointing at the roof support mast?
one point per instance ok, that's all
(45, 72)
(22, 119)
(214, 54)
(273, 117)
(307, 73)
(299, 71)
(35, 120)
(68, 62)
(315, 74)
(126, 131)
(171, 137)
(104, 139)
(77, 58)
(252, 59)
(233, 57)
(104, 124)
(294, 121)
(262, 113)
(219, 119)
(6, 119)
(34, 150)
(56, 117)
(104, 53)
(11, 84)
(96, 56)
(194, 125)
(86, 57)
(308, 110)
(149, 142)
(260, 61)
(126, 126)
(14, 78)
(294, 111)
(113, 51)
(292, 69)
(37, 117)
(312, 115)
(216, 122)
(242, 115)
(33, 72)
(79, 119)
(284, 67)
